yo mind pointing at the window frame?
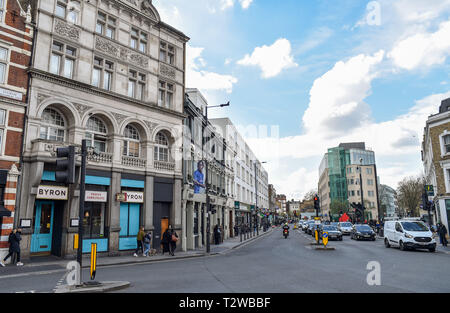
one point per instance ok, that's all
(63, 57)
(161, 149)
(136, 35)
(128, 139)
(165, 91)
(164, 48)
(104, 67)
(5, 64)
(106, 25)
(49, 126)
(138, 81)
(96, 135)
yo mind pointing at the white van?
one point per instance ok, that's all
(408, 234)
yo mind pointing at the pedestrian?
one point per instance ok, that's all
(147, 241)
(216, 234)
(442, 230)
(140, 242)
(166, 240)
(14, 246)
(173, 241)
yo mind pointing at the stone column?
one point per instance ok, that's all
(183, 226)
(114, 213)
(148, 203)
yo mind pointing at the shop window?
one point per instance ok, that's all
(94, 220)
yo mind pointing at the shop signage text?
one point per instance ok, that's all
(130, 197)
(52, 193)
(96, 196)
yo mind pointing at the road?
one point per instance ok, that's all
(273, 264)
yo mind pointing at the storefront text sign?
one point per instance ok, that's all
(131, 197)
(96, 196)
(52, 193)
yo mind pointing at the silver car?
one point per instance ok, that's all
(345, 228)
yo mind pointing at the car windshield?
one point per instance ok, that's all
(330, 228)
(414, 226)
(346, 224)
(363, 228)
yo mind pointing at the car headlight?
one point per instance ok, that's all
(409, 236)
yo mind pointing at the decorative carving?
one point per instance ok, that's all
(119, 117)
(147, 8)
(81, 108)
(151, 125)
(167, 71)
(66, 30)
(42, 97)
(122, 53)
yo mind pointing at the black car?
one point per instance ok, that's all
(308, 227)
(362, 232)
(333, 232)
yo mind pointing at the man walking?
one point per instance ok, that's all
(442, 230)
(140, 242)
(14, 246)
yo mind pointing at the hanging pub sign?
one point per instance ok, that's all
(52, 193)
(130, 197)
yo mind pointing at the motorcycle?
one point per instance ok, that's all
(285, 233)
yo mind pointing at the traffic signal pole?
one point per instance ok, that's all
(81, 208)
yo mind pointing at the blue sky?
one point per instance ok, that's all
(323, 72)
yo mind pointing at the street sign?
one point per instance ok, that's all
(429, 189)
(325, 238)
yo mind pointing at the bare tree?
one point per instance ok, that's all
(310, 195)
(409, 194)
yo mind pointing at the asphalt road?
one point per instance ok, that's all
(273, 264)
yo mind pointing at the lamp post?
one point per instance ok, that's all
(256, 197)
(361, 186)
(208, 209)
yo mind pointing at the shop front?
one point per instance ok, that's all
(94, 218)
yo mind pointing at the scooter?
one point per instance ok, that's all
(285, 233)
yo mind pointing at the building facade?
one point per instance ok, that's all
(218, 155)
(436, 161)
(16, 41)
(112, 73)
(388, 201)
(347, 174)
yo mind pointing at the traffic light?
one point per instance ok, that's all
(65, 165)
(316, 203)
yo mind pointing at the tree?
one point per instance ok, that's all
(337, 206)
(310, 195)
(409, 195)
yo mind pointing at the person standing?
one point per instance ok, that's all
(167, 237)
(147, 240)
(14, 246)
(173, 241)
(140, 242)
(217, 234)
(442, 230)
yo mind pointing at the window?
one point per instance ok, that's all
(447, 143)
(106, 25)
(165, 97)
(2, 8)
(3, 64)
(138, 40)
(131, 142)
(167, 53)
(94, 220)
(2, 124)
(136, 85)
(96, 134)
(61, 8)
(64, 11)
(161, 148)
(102, 73)
(52, 126)
(369, 170)
(62, 60)
(371, 193)
(370, 182)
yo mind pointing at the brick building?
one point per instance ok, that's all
(16, 39)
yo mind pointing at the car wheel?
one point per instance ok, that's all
(402, 246)
(386, 243)
(432, 249)
(340, 238)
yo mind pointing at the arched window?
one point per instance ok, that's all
(53, 126)
(96, 134)
(131, 144)
(161, 148)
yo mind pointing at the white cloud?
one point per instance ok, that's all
(422, 49)
(271, 59)
(204, 80)
(245, 4)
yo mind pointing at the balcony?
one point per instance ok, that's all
(99, 157)
(164, 166)
(133, 162)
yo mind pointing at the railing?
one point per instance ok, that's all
(133, 161)
(100, 157)
(164, 166)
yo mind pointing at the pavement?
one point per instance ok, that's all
(52, 264)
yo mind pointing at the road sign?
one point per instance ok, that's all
(429, 189)
(325, 238)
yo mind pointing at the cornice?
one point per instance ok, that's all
(62, 81)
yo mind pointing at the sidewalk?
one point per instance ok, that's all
(55, 264)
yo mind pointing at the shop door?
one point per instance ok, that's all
(129, 225)
(41, 240)
(164, 225)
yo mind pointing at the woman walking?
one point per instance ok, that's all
(14, 246)
(167, 237)
(173, 241)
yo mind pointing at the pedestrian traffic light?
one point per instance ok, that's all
(316, 203)
(65, 165)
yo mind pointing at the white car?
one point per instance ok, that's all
(345, 228)
(408, 234)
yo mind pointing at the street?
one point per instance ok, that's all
(271, 264)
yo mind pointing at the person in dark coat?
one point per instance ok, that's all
(217, 235)
(173, 242)
(166, 239)
(442, 230)
(14, 246)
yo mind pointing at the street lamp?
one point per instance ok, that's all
(256, 196)
(208, 209)
(361, 186)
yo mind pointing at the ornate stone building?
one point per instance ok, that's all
(16, 40)
(113, 73)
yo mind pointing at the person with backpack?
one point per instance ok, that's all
(14, 246)
(147, 241)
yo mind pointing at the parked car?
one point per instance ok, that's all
(314, 227)
(363, 232)
(336, 224)
(307, 228)
(345, 228)
(333, 232)
(408, 234)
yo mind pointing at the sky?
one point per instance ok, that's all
(309, 75)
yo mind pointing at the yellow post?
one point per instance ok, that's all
(75, 241)
(93, 260)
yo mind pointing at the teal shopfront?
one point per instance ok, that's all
(130, 212)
